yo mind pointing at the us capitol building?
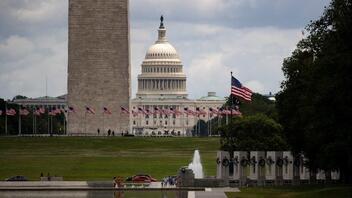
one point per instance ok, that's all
(162, 86)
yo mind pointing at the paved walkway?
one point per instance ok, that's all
(212, 193)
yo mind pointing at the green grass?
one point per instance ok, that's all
(294, 192)
(101, 158)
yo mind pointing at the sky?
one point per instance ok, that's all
(213, 37)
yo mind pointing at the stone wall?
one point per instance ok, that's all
(98, 65)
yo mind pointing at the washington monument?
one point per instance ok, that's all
(98, 66)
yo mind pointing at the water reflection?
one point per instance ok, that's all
(93, 194)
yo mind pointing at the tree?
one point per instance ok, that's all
(314, 106)
(252, 133)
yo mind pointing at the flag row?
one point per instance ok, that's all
(139, 111)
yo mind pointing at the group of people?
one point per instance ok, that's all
(169, 181)
(110, 132)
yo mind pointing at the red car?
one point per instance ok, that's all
(141, 179)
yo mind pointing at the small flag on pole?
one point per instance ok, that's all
(24, 112)
(124, 110)
(52, 113)
(10, 112)
(90, 110)
(42, 110)
(106, 111)
(71, 110)
(36, 112)
(57, 111)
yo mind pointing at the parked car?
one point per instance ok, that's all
(141, 179)
(17, 178)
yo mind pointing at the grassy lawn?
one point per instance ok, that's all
(101, 158)
(294, 192)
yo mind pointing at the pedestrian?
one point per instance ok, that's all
(115, 182)
(113, 133)
(98, 131)
(109, 132)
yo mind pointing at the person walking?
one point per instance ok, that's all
(98, 131)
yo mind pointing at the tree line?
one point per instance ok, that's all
(313, 109)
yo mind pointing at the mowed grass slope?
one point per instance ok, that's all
(101, 158)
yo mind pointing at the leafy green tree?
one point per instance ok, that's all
(314, 105)
(251, 133)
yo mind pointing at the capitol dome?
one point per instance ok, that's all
(161, 50)
(162, 71)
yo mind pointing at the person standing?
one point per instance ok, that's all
(98, 131)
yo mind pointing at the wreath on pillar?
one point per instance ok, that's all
(297, 162)
(225, 162)
(218, 161)
(244, 162)
(261, 162)
(279, 162)
(253, 161)
(270, 161)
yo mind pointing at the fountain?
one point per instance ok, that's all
(196, 165)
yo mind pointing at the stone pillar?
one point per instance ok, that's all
(270, 172)
(320, 176)
(240, 167)
(223, 162)
(335, 175)
(257, 167)
(297, 163)
(279, 162)
(303, 171)
(287, 167)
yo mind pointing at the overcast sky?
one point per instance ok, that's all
(213, 37)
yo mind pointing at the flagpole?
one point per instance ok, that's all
(19, 120)
(48, 122)
(64, 123)
(32, 121)
(103, 122)
(5, 118)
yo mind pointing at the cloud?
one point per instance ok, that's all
(213, 37)
(255, 86)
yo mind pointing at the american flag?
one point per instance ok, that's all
(236, 112)
(214, 111)
(71, 110)
(36, 112)
(10, 112)
(142, 111)
(24, 112)
(172, 111)
(90, 110)
(57, 110)
(124, 110)
(41, 110)
(240, 91)
(156, 110)
(188, 111)
(178, 112)
(52, 112)
(106, 111)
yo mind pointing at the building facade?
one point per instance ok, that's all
(98, 65)
(161, 88)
